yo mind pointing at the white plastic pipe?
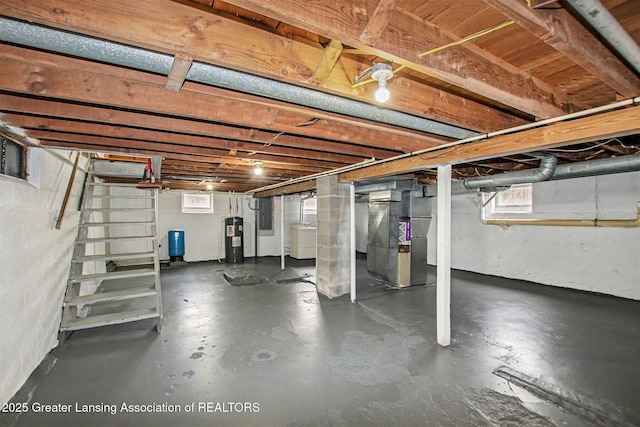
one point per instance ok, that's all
(443, 256)
(282, 232)
(352, 238)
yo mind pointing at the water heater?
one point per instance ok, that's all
(233, 242)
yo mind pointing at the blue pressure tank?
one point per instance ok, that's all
(176, 243)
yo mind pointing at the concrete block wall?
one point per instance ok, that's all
(333, 244)
(34, 261)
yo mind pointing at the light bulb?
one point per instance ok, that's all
(381, 72)
(209, 187)
(257, 170)
(382, 94)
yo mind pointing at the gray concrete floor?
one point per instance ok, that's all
(269, 351)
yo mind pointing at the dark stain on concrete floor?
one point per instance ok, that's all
(276, 354)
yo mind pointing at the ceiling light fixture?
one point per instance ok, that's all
(381, 72)
(209, 186)
(257, 167)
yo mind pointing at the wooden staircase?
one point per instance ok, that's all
(114, 219)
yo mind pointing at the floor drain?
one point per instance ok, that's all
(263, 355)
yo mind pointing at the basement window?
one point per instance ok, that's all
(197, 203)
(516, 200)
(14, 159)
(310, 206)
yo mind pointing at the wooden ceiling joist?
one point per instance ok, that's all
(542, 62)
(221, 41)
(406, 37)
(49, 76)
(97, 114)
(135, 134)
(173, 147)
(557, 28)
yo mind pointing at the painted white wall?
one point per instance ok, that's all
(34, 260)
(204, 233)
(598, 259)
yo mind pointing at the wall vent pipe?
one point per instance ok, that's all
(493, 182)
(611, 165)
(35, 36)
(608, 166)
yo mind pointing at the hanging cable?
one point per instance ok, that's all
(468, 38)
(579, 150)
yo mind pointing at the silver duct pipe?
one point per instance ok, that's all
(606, 24)
(35, 36)
(608, 166)
(611, 165)
(492, 182)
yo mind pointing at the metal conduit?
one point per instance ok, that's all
(81, 46)
(608, 26)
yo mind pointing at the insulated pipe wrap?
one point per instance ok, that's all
(81, 46)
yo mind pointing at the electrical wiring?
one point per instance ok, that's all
(580, 150)
(468, 38)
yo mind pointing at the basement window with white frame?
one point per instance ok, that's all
(310, 206)
(197, 203)
(508, 203)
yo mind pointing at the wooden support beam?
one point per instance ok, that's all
(560, 30)
(588, 129)
(216, 162)
(378, 21)
(185, 149)
(289, 189)
(310, 150)
(327, 62)
(97, 114)
(178, 73)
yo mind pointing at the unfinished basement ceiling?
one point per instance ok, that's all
(547, 63)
